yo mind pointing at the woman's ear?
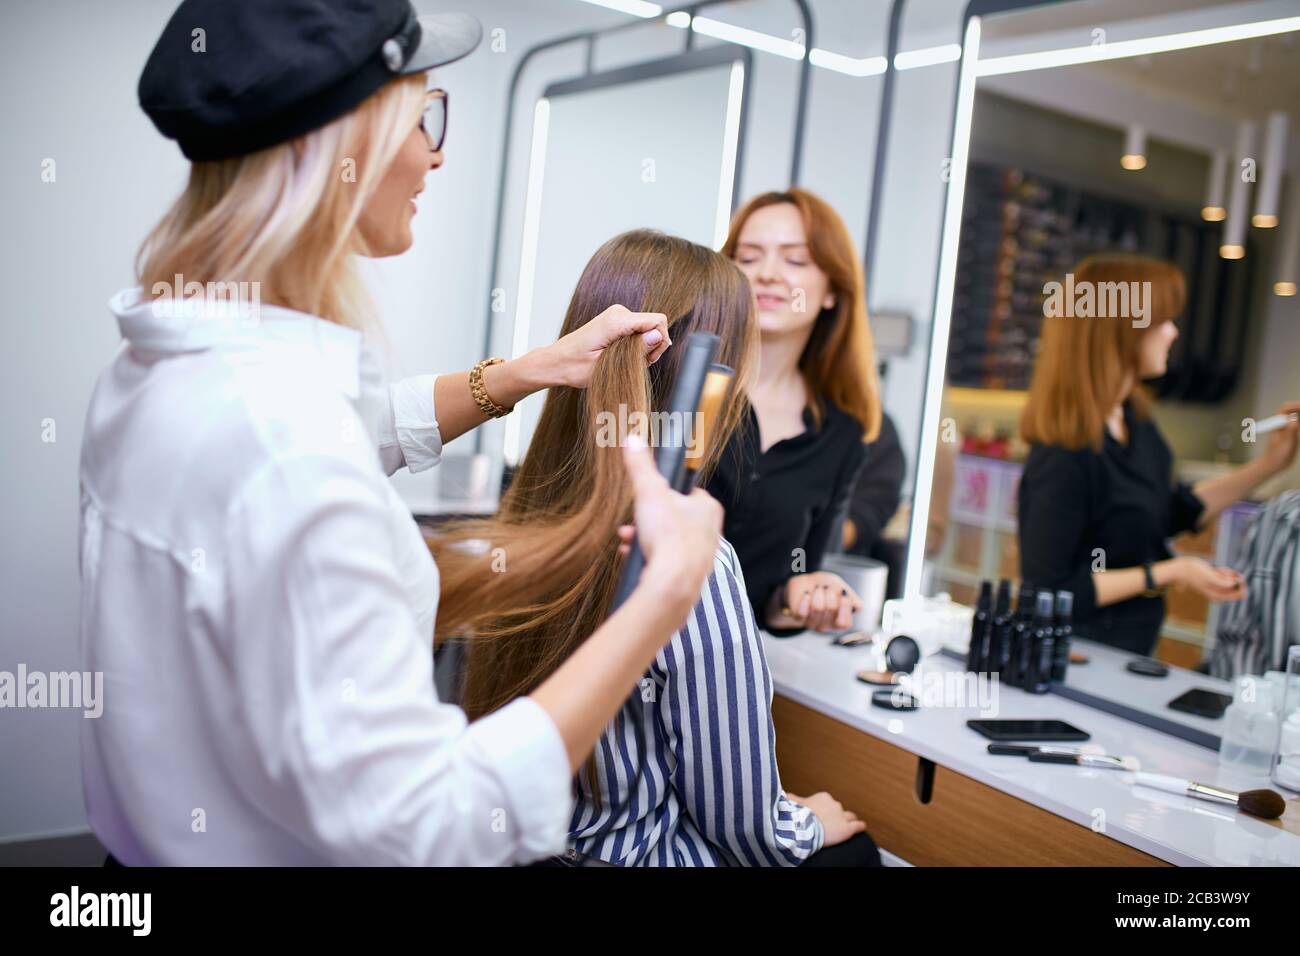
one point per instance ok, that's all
(829, 301)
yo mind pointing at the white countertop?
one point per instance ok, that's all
(810, 670)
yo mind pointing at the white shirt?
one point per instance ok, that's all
(261, 604)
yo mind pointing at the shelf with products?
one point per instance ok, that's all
(1021, 230)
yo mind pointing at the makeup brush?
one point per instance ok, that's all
(1265, 804)
(1104, 761)
(1274, 422)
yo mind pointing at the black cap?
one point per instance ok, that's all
(228, 78)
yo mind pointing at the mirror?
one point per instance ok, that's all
(668, 134)
(1088, 129)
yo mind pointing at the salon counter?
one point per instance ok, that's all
(931, 794)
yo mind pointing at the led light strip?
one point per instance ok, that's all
(868, 66)
(750, 38)
(927, 56)
(766, 43)
(730, 146)
(638, 8)
(942, 312)
(528, 257)
(1122, 49)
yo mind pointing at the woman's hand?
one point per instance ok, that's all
(820, 601)
(677, 533)
(1281, 449)
(837, 823)
(1215, 584)
(570, 360)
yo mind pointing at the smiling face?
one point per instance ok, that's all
(385, 222)
(772, 250)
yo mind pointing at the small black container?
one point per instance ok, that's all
(979, 630)
(1020, 642)
(1063, 632)
(999, 652)
(1038, 676)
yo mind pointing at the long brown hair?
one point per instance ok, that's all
(1084, 363)
(839, 362)
(537, 579)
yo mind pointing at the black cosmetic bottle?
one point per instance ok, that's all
(1000, 630)
(979, 630)
(1038, 678)
(1064, 631)
(1021, 632)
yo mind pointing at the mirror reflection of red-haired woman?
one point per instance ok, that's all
(1098, 499)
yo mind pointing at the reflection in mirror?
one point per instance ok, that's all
(1123, 322)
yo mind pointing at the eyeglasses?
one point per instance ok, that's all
(434, 120)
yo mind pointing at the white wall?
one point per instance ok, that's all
(68, 245)
(70, 69)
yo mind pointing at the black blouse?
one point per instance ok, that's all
(1084, 510)
(786, 498)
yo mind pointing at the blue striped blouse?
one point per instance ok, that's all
(710, 794)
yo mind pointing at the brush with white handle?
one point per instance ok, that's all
(1265, 804)
(1102, 761)
(1274, 422)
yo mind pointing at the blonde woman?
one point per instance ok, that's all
(257, 597)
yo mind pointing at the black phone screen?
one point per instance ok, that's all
(1027, 730)
(1201, 702)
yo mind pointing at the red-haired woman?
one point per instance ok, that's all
(1097, 498)
(786, 475)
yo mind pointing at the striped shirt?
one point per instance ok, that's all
(710, 794)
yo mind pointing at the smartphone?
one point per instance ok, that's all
(1027, 730)
(1201, 702)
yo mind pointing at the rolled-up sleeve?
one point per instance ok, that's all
(352, 751)
(409, 435)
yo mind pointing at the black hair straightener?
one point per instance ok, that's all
(698, 396)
